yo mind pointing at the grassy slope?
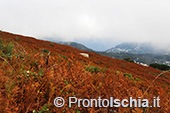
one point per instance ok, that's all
(28, 84)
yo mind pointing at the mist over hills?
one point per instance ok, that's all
(137, 48)
(125, 47)
(141, 52)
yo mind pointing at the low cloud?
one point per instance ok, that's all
(84, 20)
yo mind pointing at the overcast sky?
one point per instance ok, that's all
(99, 24)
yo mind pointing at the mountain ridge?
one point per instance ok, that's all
(76, 45)
(137, 48)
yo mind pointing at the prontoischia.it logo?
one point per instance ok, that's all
(59, 102)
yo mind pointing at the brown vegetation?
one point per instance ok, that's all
(28, 83)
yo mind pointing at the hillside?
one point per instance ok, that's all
(76, 45)
(142, 58)
(34, 72)
(137, 48)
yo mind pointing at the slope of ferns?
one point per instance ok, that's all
(29, 84)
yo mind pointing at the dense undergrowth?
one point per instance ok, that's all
(33, 72)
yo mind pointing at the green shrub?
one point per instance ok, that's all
(51, 44)
(94, 69)
(44, 109)
(123, 64)
(160, 66)
(128, 59)
(129, 76)
(41, 72)
(44, 50)
(17, 39)
(9, 86)
(62, 56)
(137, 79)
(6, 47)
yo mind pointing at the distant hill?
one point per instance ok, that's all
(142, 58)
(76, 45)
(140, 52)
(137, 48)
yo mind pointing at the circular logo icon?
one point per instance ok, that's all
(59, 102)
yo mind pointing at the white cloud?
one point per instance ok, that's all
(114, 20)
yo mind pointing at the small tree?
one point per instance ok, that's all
(128, 59)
